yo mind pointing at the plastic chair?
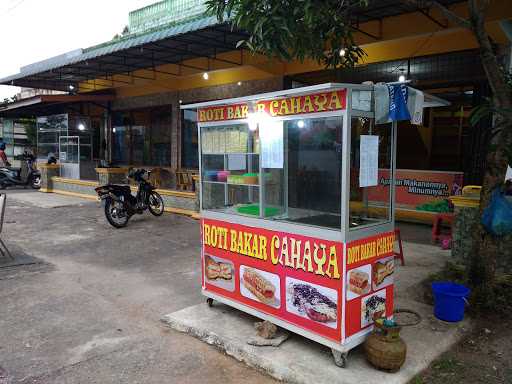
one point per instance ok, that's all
(439, 219)
(183, 180)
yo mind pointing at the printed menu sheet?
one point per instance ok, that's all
(369, 161)
(237, 162)
(272, 146)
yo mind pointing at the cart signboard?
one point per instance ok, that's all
(319, 102)
(295, 278)
(369, 281)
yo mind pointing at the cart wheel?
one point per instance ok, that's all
(340, 358)
(209, 301)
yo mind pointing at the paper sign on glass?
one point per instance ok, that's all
(369, 161)
(271, 143)
(237, 162)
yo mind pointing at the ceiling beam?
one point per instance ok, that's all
(366, 33)
(434, 20)
(189, 52)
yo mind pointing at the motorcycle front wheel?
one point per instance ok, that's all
(155, 204)
(36, 182)
(116, 214)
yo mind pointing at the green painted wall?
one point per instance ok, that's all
(163, 13)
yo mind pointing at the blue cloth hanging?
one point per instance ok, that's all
(497, 217)
(398, 96)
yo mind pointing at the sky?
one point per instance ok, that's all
(35, 30)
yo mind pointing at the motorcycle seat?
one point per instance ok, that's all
(125, 188)
(10, 169)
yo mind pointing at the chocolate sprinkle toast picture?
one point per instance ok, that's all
(383, 273)
(373, 307)
(260, 286)
(219, 272)
(312, 301)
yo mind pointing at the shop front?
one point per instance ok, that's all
(148, 74)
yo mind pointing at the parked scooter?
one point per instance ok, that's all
(120, 204)
(12, 176)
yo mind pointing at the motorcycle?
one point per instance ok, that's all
(120, 205)
(12, 176)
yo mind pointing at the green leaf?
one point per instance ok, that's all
(295, 29)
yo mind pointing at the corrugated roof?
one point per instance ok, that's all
(112, 47)
(171, 44)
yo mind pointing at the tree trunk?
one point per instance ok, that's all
(483, 263)
(483, 266)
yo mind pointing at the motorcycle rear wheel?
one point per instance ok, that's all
(155, 204)
(116, 214)
(36, 182)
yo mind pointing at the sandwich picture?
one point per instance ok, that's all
(259, 286)
(381, 270)
(215, 270)
(358, 282)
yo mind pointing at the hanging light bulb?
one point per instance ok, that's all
(342, 52)
(206, 76)
(401, 78)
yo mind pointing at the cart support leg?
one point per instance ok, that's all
(340, 358)
(209, 301)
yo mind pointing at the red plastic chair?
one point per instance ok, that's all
(438, 221)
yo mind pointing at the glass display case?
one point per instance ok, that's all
(301, 183)
(297, 218)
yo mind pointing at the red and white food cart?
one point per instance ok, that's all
(288, 232)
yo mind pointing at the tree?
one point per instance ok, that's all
(31, 131)
(295, 30)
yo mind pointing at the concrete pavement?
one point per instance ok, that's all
(43, 200)
(294, 360)
(93, 317)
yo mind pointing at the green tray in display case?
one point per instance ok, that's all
(254, 210)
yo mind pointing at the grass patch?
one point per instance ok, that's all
(494, 300)
(446, 370)
(447, 365)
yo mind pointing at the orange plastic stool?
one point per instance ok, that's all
(400, 254)
(436, 226)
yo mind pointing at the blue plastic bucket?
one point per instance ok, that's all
(449, 301)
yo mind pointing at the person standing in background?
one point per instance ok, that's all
(3, 157)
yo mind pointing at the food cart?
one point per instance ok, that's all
(288, 232)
